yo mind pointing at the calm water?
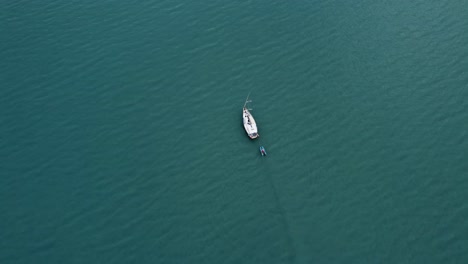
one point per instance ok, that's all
(121, 137)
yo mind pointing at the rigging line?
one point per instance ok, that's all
(247, 97)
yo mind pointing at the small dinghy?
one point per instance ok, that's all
(263, 151)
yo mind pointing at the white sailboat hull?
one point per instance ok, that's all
(250, 125)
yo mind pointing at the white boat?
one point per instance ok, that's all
(250, 125)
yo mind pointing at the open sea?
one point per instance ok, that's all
(121, 137)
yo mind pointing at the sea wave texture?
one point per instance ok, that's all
(121, 137)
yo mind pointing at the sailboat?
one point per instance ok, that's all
(250, 125)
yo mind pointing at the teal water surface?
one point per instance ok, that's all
(121, 137)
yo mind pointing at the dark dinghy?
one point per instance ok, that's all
(263, 151)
